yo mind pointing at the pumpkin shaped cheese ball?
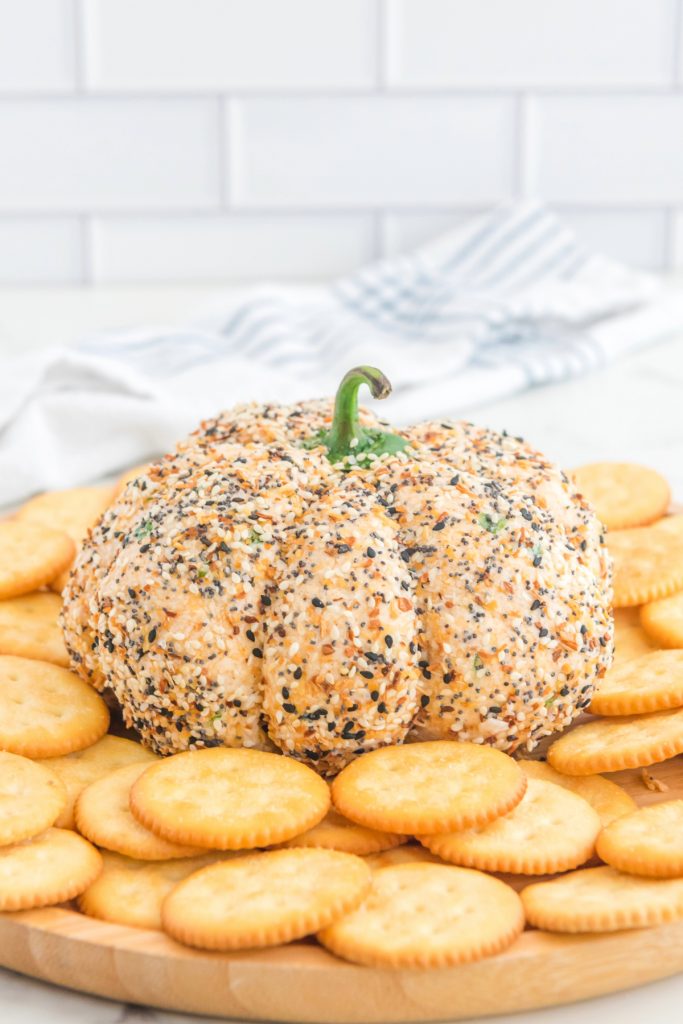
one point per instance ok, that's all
(302, 578)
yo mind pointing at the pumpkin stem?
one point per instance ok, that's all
(347, 436)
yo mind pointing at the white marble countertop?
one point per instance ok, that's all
(631, 410)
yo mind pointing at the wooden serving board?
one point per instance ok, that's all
(302, 982)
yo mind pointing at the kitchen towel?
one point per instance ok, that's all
(510, 300)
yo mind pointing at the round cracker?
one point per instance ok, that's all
(53, 867)
(335, 832)
(602, 900)
(427, 915)
(606, 798)
(647, 842)
(74, 511)
(630, 639)
(31, 556)
(265, 899)
(31, 798)
(29, 628)
(623, 494)
(662, 621)
(611, 744)
(229, 799)
(410, 854)
(129, 475)
(131, 892)
(83, 767)
(103, 816)
(47, 711)
(550, 830)
(653, 682)
(648, 563)
(431, 787)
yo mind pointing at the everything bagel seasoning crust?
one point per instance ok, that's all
(247, 590)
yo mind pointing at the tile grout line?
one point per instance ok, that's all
(223, 155)
(678, 46)
(379, 234)
(86, 240)
(524, 148)
(383, 30)
(229, 156)
(80, 58)
(477, 92)
(669, 242)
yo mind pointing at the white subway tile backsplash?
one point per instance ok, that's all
(355, 152)
(677, 240)
(40, 250)
(230, 44)
(509, 43)
(229, 248)
(108, 154)
(37, 45)
(636, 237)
(405, 230)
(218, 140)
(609, 149)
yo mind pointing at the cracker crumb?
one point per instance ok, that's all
(652, 783)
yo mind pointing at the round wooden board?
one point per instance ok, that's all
(302, 982)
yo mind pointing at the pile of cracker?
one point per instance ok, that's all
(424, 855)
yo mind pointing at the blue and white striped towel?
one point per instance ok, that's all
(510, 300)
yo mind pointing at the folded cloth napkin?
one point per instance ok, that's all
(510, 300)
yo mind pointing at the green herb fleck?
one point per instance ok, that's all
(254, 538)
(144, 530)
(477, 663)
(536, 553)
(494, 526)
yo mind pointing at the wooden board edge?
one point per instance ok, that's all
(303, 983)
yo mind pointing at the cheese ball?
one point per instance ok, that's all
(298, 578)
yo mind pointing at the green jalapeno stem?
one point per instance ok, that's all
(347, 436)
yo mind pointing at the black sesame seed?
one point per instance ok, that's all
(424, 700)
(370, 552)
(250, 635)
(536, 605)
(367, 675)
(289, 708)
(265, 600)
(389, 641)
(317, 603)
(257, 652)
(382, 708)
(285, 692)
(298, 672)
(374, 695)
(439, 526)
(152, 635)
